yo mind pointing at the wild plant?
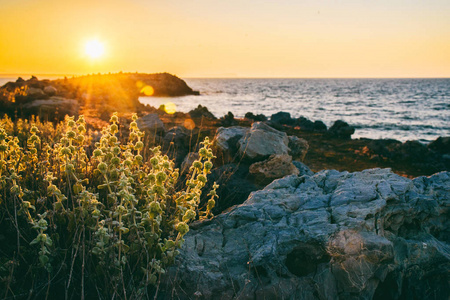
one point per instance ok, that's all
(104, 220)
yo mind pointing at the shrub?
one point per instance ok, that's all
(100, 220)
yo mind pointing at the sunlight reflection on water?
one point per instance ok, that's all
(402, 109)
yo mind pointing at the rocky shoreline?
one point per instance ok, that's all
(304, 211)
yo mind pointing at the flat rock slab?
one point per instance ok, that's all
(333, 235)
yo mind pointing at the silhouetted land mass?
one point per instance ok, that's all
(103, 92)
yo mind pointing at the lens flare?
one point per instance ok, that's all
(189, 124)
(170, 108)
(147, 90)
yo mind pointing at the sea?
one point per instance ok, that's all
(401, 109)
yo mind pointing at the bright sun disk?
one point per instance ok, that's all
(94, 49)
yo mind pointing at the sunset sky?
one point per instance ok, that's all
(228, 38)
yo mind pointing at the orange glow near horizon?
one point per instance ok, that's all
(211, 38)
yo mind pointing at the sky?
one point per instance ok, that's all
(228, 38)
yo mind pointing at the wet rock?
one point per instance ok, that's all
(283, 118)
(228, 120)
(319, 126)
(304, 124)
(257, 118)
(151, 123)
(261, 141)
(298, 148)
(341, 129)
(333, 235)
(201, 112)
(275, 167)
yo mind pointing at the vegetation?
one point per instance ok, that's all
(91, 219)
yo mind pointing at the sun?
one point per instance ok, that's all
(94, 49)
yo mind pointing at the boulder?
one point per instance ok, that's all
(228, 120)
(319, 126)
(341, 129)
(259, 117)
(50, 90)
(261, 141)
(151, 123)
(304, 124)
(226, 141)
(201, 112)
(334, 235)
(283, 118)
(276, 166)
(298, 148)
(54, 107)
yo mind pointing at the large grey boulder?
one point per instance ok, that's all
(334, 235)
(257, 143)
(261, 141)
(151, 123)
(226, 141)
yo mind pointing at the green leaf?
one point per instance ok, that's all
(43, 259)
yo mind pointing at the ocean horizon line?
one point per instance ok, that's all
(8, 75)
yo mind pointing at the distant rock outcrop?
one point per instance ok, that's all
(105, 93)
(334, 235)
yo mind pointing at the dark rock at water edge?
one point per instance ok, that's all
(333, 235)
(201, 112)
(256, 118)
(341, 129)
(283, 118)
(228, 120)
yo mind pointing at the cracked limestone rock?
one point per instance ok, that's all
(332, 235)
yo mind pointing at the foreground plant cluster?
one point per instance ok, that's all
(99, 219)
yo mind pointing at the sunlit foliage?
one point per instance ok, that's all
(98, 219)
